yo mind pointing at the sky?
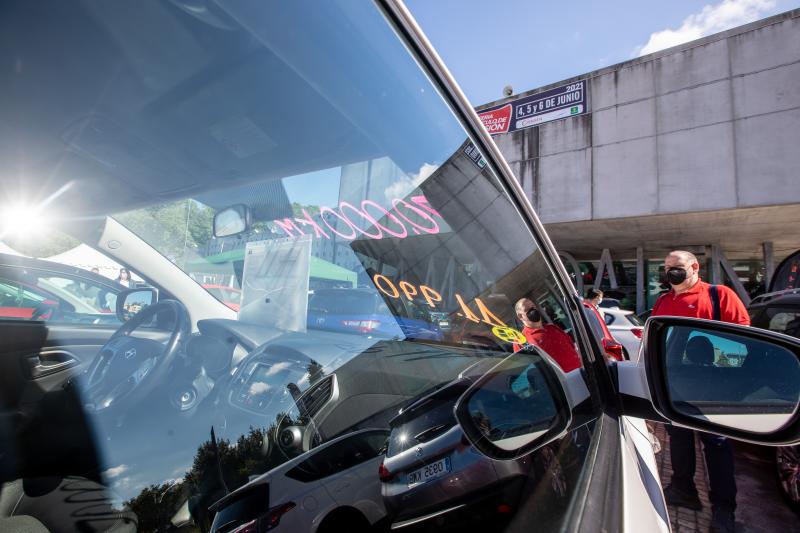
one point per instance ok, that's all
(531, 43)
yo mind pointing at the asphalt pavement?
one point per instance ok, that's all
(760, 506)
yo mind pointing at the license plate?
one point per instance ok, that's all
(429, 472)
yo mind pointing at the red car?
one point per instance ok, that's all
(614, 350)
(230, 296)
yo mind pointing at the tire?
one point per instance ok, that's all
(787, 459)
(344, 519)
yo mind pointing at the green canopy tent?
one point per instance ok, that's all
(220, 264)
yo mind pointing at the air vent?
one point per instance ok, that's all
(316, 397)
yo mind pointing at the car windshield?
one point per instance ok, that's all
(362, 207)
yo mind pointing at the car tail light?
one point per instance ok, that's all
(504, 508)
(613, 349)
(364, 326)
(638, 332)
(384, 473)
(273, 516)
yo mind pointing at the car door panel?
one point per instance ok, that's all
(37, 357)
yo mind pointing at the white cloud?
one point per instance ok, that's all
(115, 471)
(711, 19)
(259, 387)
(403, 186)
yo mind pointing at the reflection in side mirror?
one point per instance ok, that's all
(517, 406)
(231, 221)
(730, 379)
(132, 301)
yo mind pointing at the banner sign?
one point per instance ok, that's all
(561, 102)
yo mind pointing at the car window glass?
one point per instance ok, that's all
(370, 215)
(718, 351)
(609, 318)
(594, 323)
(784, 321)
(340, 456)
(39, 295)
(635, 320)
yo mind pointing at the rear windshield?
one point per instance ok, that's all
(426, 419)
(341, 302)
(782, 319)
(635, 320)
(246, 506)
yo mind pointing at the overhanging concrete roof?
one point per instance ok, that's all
(660, 233)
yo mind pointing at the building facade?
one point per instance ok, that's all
(694, 147)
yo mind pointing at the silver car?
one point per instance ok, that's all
(435, 468)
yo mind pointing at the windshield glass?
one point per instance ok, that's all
(379, 254)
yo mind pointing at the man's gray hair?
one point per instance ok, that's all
(686, 256)
(518, 306)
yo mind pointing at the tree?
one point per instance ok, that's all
(53, 243)
(174, 228)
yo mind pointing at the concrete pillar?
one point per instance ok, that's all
(769, 263)
(716, 272)
(641, 278)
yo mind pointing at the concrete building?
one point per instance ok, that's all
(695, 147)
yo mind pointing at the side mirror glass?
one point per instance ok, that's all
(516, 407)
(738, 381)
(231, 221)
(132, 301)
(731, 380)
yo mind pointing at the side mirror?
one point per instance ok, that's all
(132, 301)
(519, 405)
(728, 379)
(232, 220)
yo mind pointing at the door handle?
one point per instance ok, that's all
(47, 363)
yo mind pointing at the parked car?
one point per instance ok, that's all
(780, 311)
(609, 303)
(44, 290)
(337, 476)
(230, 296)
(434, 474)
(611, 346)
(330, 130)
(365, 311)
(626, 327)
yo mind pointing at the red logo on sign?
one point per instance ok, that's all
(498, 120)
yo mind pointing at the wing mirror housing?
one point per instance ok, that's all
(132, 301)
(519, 405)
(732, 380)
(232, 221)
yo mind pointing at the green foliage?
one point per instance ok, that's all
(52, 243)
(174, 229)
(155, 505)
(297, 209)
(251, 456)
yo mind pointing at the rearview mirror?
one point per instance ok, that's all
(231, 221)
(733, 380)
(517, 406)
(132, 301)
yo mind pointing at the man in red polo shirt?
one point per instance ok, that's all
(691, 297)
(548, 337)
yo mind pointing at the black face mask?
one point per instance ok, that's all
(534, 315)
(676, 276)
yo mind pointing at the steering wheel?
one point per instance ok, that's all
(127, 369)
